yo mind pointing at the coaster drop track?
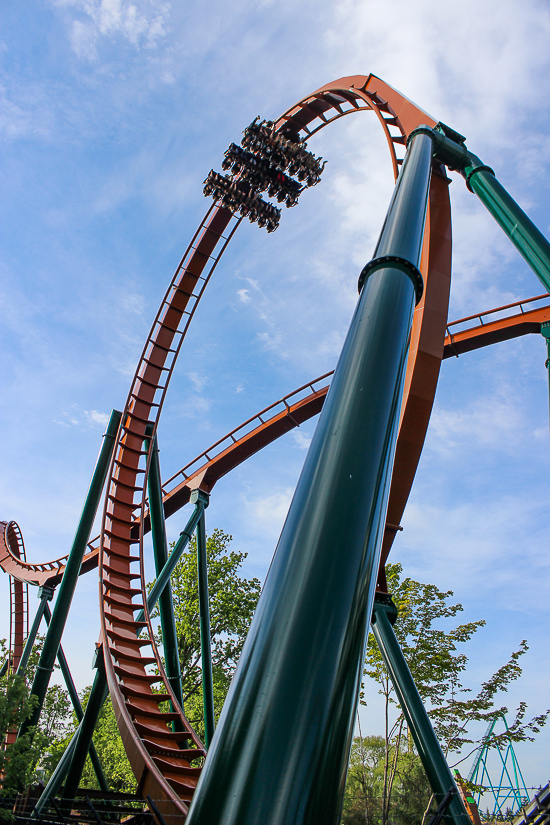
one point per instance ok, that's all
(160, 756)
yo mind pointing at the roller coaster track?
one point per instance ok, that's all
(294, 409)
(161, 758)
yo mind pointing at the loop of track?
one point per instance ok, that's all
(161, 766)
(12, 546)
(162, 759)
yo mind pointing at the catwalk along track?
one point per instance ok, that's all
(167, 761)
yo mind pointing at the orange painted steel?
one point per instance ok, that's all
(492, 330)
(270, 423)
(162, 768)
(161, 759)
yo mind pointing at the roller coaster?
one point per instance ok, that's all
(280, 750)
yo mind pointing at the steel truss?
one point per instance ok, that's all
(412, 260)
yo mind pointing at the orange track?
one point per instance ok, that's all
(158, 757)
(161, 760)
(271, 423)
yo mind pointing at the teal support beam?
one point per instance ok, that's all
(281, 748)
(45, 594)
(56, 779)
(418, 721)
(204, 616)
(160, 552)
(77, 707)
(481, 179)
(164, 576)
(4, 668)
(545, 332)
(72, 571)
(521, 230)
(97, 697)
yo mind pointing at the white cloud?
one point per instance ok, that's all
(301, 439)
(95, 417)
(139, 23)
(269, 512)
(199, 381)
(244, 295)
(479, 424)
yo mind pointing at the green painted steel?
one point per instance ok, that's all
(56, 779)
(282, 744)
(58, 776)
(164, 576)
(72, 571)
(418, 721)
(481, 179)
(545, 331)
(97, 697)
(509, 792)
(4, 668)
(75, 700)
(521, 230)
(45, 595)
(204, 615)
(160, 552)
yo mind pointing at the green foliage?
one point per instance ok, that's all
(18, 761)
(437, 667)
(233, 600)
(109, 747)
(364, 795)
(232, 603)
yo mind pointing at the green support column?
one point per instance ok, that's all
(100, 689)
(545, 332)
(282, 744)
(45, 594)
(204, 612)
(160, 551)
(56, 779)
(418, 721)
(164, 576)
(481, 179)
(82, 745)
(77, 707)
(72, 571)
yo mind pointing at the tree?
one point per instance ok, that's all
(364, 794)
(232, 603)
(437, 668)
(109, 748)
(19, 758)
(233, 600)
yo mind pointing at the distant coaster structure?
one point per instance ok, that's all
(281, 746)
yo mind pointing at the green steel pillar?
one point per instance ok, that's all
(418, 721)
(72, 571)
(77, 707)
(204, 613)
(282, 744)
(82, 745)
(481, 179)
(56, 779)
(164, 576)
(160, 551)
(45, 594)
(545, 331)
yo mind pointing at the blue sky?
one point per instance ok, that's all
(112, 114)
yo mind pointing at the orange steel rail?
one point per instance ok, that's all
(262, 429)
(161, 760)
(477, 331)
